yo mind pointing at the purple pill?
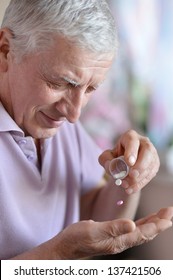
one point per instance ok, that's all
(120, 202)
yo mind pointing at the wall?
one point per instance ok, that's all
(140, 81)
(3, 5)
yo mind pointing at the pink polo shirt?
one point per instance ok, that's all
(36, 205)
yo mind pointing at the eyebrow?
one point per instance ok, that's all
(67, 79)
(75, 83)
(70, 81)
(56, 78)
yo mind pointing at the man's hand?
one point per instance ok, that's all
(139, 154)
(89, 238)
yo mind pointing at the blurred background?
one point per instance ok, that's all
(139, 89)
(138, 94)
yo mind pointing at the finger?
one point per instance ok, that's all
(108, 233)
(145, 168)
(100, 236)
(132, 185)
(151, 229)
(146, 155)
(164, 213)
(148, 161)
(129, 143)
(117, 227)
(141, 234)
(145, 219)
(105, 158)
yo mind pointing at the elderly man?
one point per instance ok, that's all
(54, 202)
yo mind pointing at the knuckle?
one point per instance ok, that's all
(147, 139)
(148, 145)
(104, 156)
(131, 134)
(88, 225)
(147, 142)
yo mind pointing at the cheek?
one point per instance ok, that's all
(38, 95)
(86, 99)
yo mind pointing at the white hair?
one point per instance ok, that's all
(87, 23)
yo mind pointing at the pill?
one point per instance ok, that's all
(118, 182)
(120, 202)
(120, 175)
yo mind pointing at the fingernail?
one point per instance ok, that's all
(132, 160)
(125, 184)
(129, 191)
(134, 173)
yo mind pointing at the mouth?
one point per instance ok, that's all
(49, 121)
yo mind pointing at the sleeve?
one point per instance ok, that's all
(91, 171)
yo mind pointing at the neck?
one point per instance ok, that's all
(38, 147)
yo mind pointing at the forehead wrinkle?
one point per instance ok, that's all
(45, 70)
(55, 76)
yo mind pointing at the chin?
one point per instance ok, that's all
(44, 133)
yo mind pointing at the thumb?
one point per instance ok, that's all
(118, 227)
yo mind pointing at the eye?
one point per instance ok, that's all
(53, 85)
(90, 90)
(60, 86)
(70, 85)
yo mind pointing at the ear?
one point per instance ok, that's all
(5, 36)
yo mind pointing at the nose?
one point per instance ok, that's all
(72, 105)
(74, 111)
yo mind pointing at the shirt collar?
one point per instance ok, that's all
(7, 124)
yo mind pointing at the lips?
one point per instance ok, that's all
(49, 121)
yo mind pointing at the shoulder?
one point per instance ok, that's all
(76, 134)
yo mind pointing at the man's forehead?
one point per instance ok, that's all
(59, 70)
(56, 76)
(71, 78)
